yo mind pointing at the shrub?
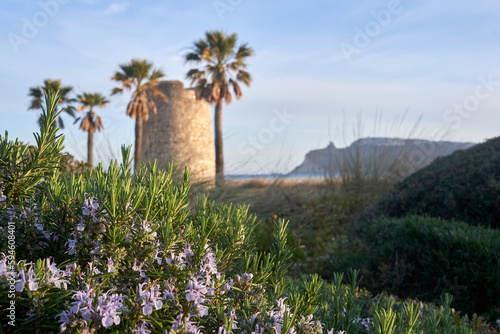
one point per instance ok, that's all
(112, 251)
(463, 186)
(424, 258)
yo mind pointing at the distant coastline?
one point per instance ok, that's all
(270, 178)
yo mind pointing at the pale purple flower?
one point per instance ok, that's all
(32, 281)
(247, 277)
(188, 252)
(90, 206)
(210, 286)
(30, 314)
(232, 319)
(70, 269)
(278, 314)
(11, 213)
(227, 286)
(46, 234)
(57, 274)
(143, 328)
(109, 308)
(97, 247)
(258, 330)
(83, 303)
(3, 266)
(111, 265)
(209, 264)
(65, 318)
(150, 298)
(93, 269)
(366, 323)
(158, 257)
(21, 281)
(196, 292)
(81, 225)
(168, 293)
(3, 197)
(223, 330)
(71, 244)
(146, 226)
(138, 268)
(176, 260)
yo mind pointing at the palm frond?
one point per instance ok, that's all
(236, 88)
(116, 90)
(98, 123)
(224, 66)
(140, 75)
(155, 92)
(244, 77)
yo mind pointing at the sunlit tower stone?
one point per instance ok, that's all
(181, 132)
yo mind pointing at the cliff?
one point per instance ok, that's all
(377, 157)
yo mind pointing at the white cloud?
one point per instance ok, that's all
(116, 8)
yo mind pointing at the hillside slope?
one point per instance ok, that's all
(463, 186)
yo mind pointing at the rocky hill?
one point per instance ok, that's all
(392, 157)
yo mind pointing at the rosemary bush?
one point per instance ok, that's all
(111, 251)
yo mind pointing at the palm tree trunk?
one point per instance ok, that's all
(138, 143)
(219, 150)
(90, 147)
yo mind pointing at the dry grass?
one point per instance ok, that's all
(318, 210)
(277, 197)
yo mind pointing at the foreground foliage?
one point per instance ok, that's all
(113, 251)
(463, 186)
(424, 258)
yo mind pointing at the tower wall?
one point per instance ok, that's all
(181, 132)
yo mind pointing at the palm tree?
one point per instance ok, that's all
(140, 76)
(91, 122)
(224, 66)
(49, 85)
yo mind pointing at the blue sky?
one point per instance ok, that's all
(407, 68)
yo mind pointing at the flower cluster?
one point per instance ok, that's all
(196, 293)
(32, 280)
(149, 297)
(105, 312)
(90, 207)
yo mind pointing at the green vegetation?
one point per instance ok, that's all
(112, 251)
(464, 186)
(425, 258)
(338, 226)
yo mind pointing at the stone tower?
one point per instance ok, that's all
(181, 132)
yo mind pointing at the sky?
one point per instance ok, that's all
(322, 70)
